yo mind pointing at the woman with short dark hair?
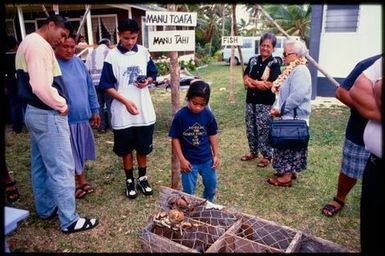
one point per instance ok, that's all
(260, 72)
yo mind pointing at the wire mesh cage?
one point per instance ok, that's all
(185, 223)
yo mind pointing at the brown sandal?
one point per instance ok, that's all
(248, 157)
(293, 175)
(87, 188)
(276, 182)
(264, 162)
(80, 193)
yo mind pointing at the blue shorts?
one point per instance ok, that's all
(354, 158)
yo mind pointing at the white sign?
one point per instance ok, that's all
(232, 40)
(173, 40)
(171, 18)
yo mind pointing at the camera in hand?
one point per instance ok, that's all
(141, 79)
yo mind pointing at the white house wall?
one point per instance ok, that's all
(340, 52)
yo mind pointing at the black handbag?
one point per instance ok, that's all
(288, 133)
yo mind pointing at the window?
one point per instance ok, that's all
(341, 18)
(104, 26)
(247, 43)
(10, 28)
(30, 26)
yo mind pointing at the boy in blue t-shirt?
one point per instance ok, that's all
(194, 140)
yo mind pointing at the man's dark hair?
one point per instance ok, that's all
(128, 25)
(73, 36)
(59, 21)
(198, 88)
(270, 36)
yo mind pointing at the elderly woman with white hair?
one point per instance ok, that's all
(293, 89)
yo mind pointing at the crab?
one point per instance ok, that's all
(173, 219)
(183, 203)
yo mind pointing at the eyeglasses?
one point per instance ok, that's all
(287, 54)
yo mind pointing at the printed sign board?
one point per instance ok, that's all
(188, 19)
(173, 40)
(232, 40)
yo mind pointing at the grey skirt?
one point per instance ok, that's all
(83, 145)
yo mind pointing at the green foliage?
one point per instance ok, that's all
(218, 55)
(190, 65)
(163, 65)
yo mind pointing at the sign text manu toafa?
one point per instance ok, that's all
(171, 18)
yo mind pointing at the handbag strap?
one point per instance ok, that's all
(283, 107)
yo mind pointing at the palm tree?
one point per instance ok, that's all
(294, 19)
(210, 16)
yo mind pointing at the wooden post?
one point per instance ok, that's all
(232, 87)
(175, 105)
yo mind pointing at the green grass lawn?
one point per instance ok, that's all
(241, 185)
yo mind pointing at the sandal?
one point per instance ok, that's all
(248, 157)
(80, 193)
(293, 175)
(80, 225)
(12, 191)
(264, 162)
(87, 188)
(330, 210)
(276, 182)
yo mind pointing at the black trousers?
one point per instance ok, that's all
(105, 101)
(373, 206)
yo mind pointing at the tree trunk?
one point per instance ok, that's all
(232, 87)
(175, 105)
(239, 48)
(223, 20)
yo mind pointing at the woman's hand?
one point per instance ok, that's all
(95, 120)
(267, 85)
(275, 112)
(247, 81)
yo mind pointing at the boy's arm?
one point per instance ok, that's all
(107, 82)
(184, 163)
(130, 105)
(214, 147)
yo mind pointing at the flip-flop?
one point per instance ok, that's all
(12, 191)
(87, 188)
(80, 193)
(332, 209)
(248, 157)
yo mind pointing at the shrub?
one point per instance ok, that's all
(163, 65)
(218, 55)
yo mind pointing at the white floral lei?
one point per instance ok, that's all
(282, 77)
